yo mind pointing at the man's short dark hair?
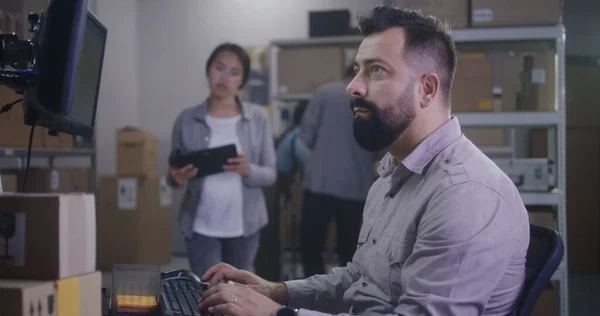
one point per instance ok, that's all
(426, 36)
(238, 51)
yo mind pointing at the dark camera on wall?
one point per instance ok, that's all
(8, 227)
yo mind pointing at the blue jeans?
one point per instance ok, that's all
(204, 252)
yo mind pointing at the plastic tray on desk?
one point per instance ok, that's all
(138, 284)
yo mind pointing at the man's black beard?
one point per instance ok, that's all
(382, 127)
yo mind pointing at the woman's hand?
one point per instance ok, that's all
(182, 175)
(238, 164)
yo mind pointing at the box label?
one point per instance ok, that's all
(166, 194)
(538, 75)
(127, 194)
(483, 15)
(54, 180)
(12, 239)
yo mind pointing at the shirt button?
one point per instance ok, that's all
(447, 160)
(206, 139)
(374, 241)
(364, 284)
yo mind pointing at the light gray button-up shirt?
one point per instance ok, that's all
(445, 232)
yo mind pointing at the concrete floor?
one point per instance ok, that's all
(584, 290)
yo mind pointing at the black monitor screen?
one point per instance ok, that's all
(89, 72)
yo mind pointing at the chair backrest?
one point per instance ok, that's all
(545, 252)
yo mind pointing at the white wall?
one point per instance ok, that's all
(176, 37)
(118, 99)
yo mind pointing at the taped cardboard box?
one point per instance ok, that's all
(134, 221)
(529, 83)
(485, 136)
(50, 236)
(305, 69)
(136, 152)
(515, 12)
(76, 296)
(9, 182)
(472, 88)
(453, 12)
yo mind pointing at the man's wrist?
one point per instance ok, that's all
(279, 293)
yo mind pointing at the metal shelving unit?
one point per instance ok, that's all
(552, 36)
(51, 154)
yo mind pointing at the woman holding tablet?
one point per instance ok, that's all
(221, 214)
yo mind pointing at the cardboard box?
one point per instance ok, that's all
(51, 236)
(13, 131)
(62, 141)
(472, 88)
(136, 153)
(26, 298)
(134, 221)
(485, 136)
(547, 303)
(80, 296)
(76, 296)
(544, 217)
(486, 13)
(62, 180)
(304, 69)
(583, 99)
(9, 183)
(453, 12)
(529, 83)
(538, 140)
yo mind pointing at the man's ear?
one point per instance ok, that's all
(430, 85)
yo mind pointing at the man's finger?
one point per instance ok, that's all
(229, 309)
(212, 270)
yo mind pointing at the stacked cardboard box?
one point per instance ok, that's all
(45, 180)
(47, 256)
(134, 218)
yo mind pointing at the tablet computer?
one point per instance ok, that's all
(208, 161)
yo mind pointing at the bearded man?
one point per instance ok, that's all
(444, 231)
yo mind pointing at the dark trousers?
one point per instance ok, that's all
(317, 212)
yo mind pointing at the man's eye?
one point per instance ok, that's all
(376, 70)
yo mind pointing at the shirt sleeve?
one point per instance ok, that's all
(323, 292)
(263, 173)
(311, 120)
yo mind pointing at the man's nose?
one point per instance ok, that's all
(356, 88)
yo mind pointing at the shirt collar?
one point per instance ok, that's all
(420, 157)
(201, 110)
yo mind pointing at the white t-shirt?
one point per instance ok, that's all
(220, 210)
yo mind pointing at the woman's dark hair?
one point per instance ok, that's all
(239, 52)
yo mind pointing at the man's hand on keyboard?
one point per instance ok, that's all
(224, 272)
(236, 300)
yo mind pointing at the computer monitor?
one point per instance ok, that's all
(69, 58)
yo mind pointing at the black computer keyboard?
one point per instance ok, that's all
(179, 297)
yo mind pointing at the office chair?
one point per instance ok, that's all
(545, 252)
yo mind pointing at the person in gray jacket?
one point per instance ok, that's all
(221, 214)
